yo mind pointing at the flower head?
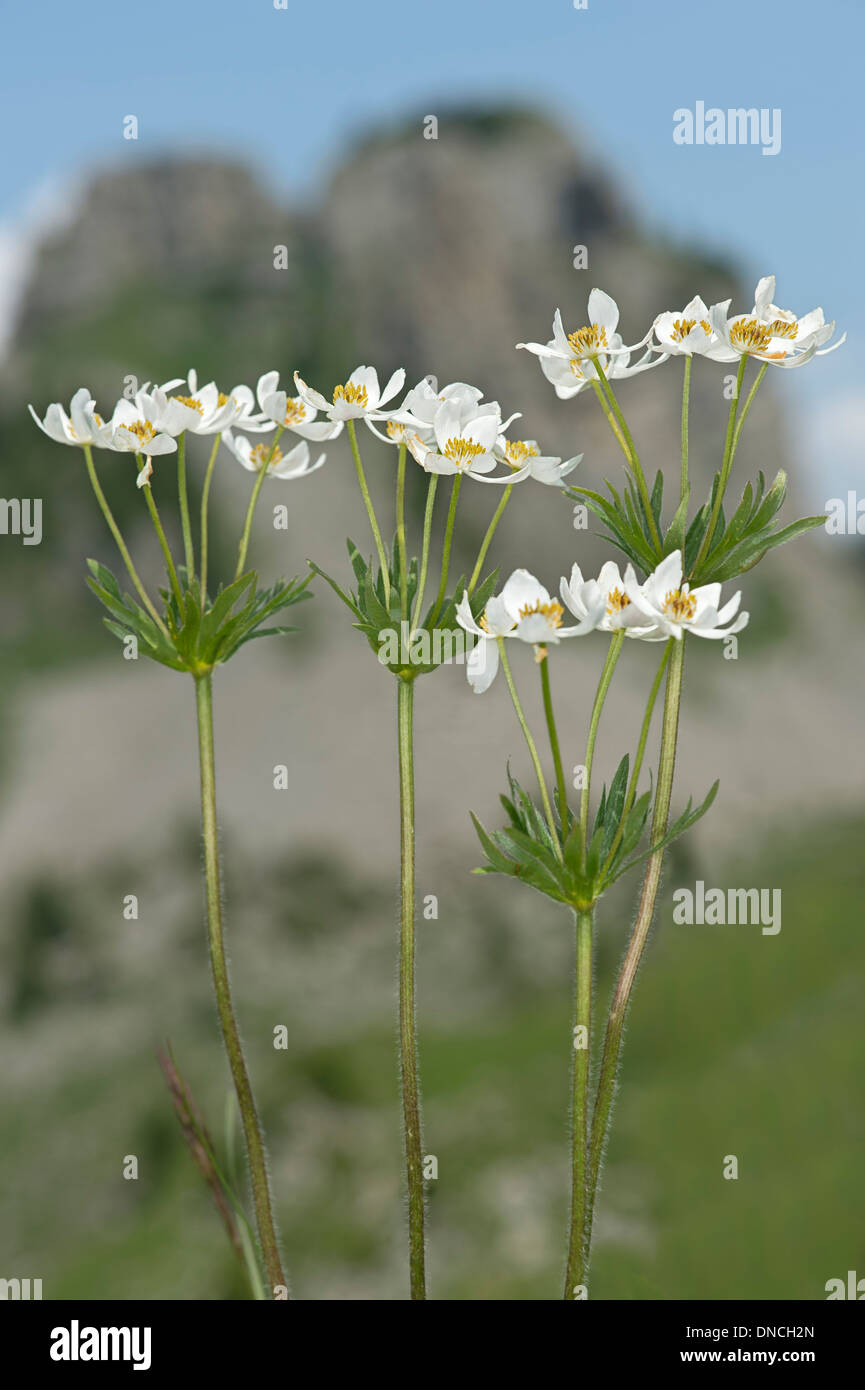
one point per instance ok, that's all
(771, 334)
(80, 426)
(291, 412)
(688, 332)
(525, 460)
(674, 607)
(615, 595)
(358, 398)
(525, 610)
(293, 463)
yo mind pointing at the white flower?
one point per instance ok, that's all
(596, 338)
(360, 397)
(690, 332)
(457, 447)
(572, 377)
(616, 597)
(146, 425)
(525, 460)
(523, 610)
(771, 334)
(211, 411)
(292, 412)
(296, 463)
(811, 327)
(676, 608)
(81, 426)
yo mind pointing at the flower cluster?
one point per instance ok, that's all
(663, 606)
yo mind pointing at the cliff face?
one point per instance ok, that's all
(435, 254)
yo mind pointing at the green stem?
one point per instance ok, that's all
(533, 752)
(638, 760)
(188, 550)
(743, 414)
(407, 1013)
(446, 552)
(231, 1036)
(726, 464)
(205, 502)
(611, 419)
(554, 747)
(120, 542)
(485, 544)
(424, 562)
(634, 458)
(370, 511)
(166, 550)
(645, 912)
(400, 532)
(250, 511)
(580, 1204)
(597, 709)
(686, 406)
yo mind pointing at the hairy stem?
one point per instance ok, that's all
(400, 532)
(633, 456)
(253, 502)
(686, 406)
(487, 540)
(120, 542)
(446, 550)
(639, 936)
(554, 747)
(530, 743)
(231, 1036)
(183, 493)
(205, 503)
(726, 463)
(424, 561)
(597, 709)
(370, 510)
(580, 1206)
(407, 1012)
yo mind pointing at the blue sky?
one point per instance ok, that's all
(289, 87)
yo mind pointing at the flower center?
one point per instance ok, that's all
(588, 340)
(142, 429)
(295, 411)
(261, 455)
(552, 611)
(784, 328)
(751, 335)
(351, 394)
(462, 452)
(222, 399)
(396, 431)
(617, 601)
(518, 450)
(192, 401)
(682, 327)
(679, 604)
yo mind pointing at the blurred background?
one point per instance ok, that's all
(261, 127)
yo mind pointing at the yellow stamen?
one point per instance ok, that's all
(142, 429)
(783, 328)
(617, 601)
(222, 399)
(462, 452)
(679, 604)
(751, 335)
(192, 401)
(589, 340)
(682, 327)
(261, 454)
(518, 450)
(351, 394)
(295, 411)
(552, 611)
